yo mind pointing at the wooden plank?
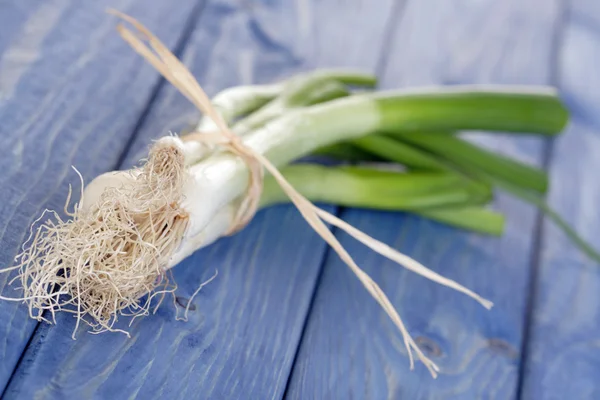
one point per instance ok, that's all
(564, 356)
(350, 349)
(63, 103)
(241, 340)
(20, 22)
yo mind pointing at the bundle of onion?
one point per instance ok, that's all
(113, 256)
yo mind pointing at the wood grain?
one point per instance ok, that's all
(241, 340)
(350, 349)
(564, 351)
(71, 94)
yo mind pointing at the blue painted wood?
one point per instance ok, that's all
(241, 340)
(564, 353)
(20, 22)
(350, 348)
(63, 102)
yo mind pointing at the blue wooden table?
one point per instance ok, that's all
(285, 317)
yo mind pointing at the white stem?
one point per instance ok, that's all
(213, 231)
(237, 100)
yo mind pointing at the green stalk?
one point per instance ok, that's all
(467, 217)
(473, 159)
(237, 101)
(374, 188)
(433, 195)
(399, 152)
(298, 90)
(513, 177)
(314, 92)
(348, 76)
(351, 117)
(306, 90)
(347, 152)
(491, 108)
(536, 200)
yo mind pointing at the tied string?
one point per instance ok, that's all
(233, 143)
(175, 72)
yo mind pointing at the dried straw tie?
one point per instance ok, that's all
(175, 72)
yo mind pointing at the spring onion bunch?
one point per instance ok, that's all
(114, 254)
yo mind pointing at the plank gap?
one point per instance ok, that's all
(313, 295)
(33, 335)
(538, 241)
(396, 11)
